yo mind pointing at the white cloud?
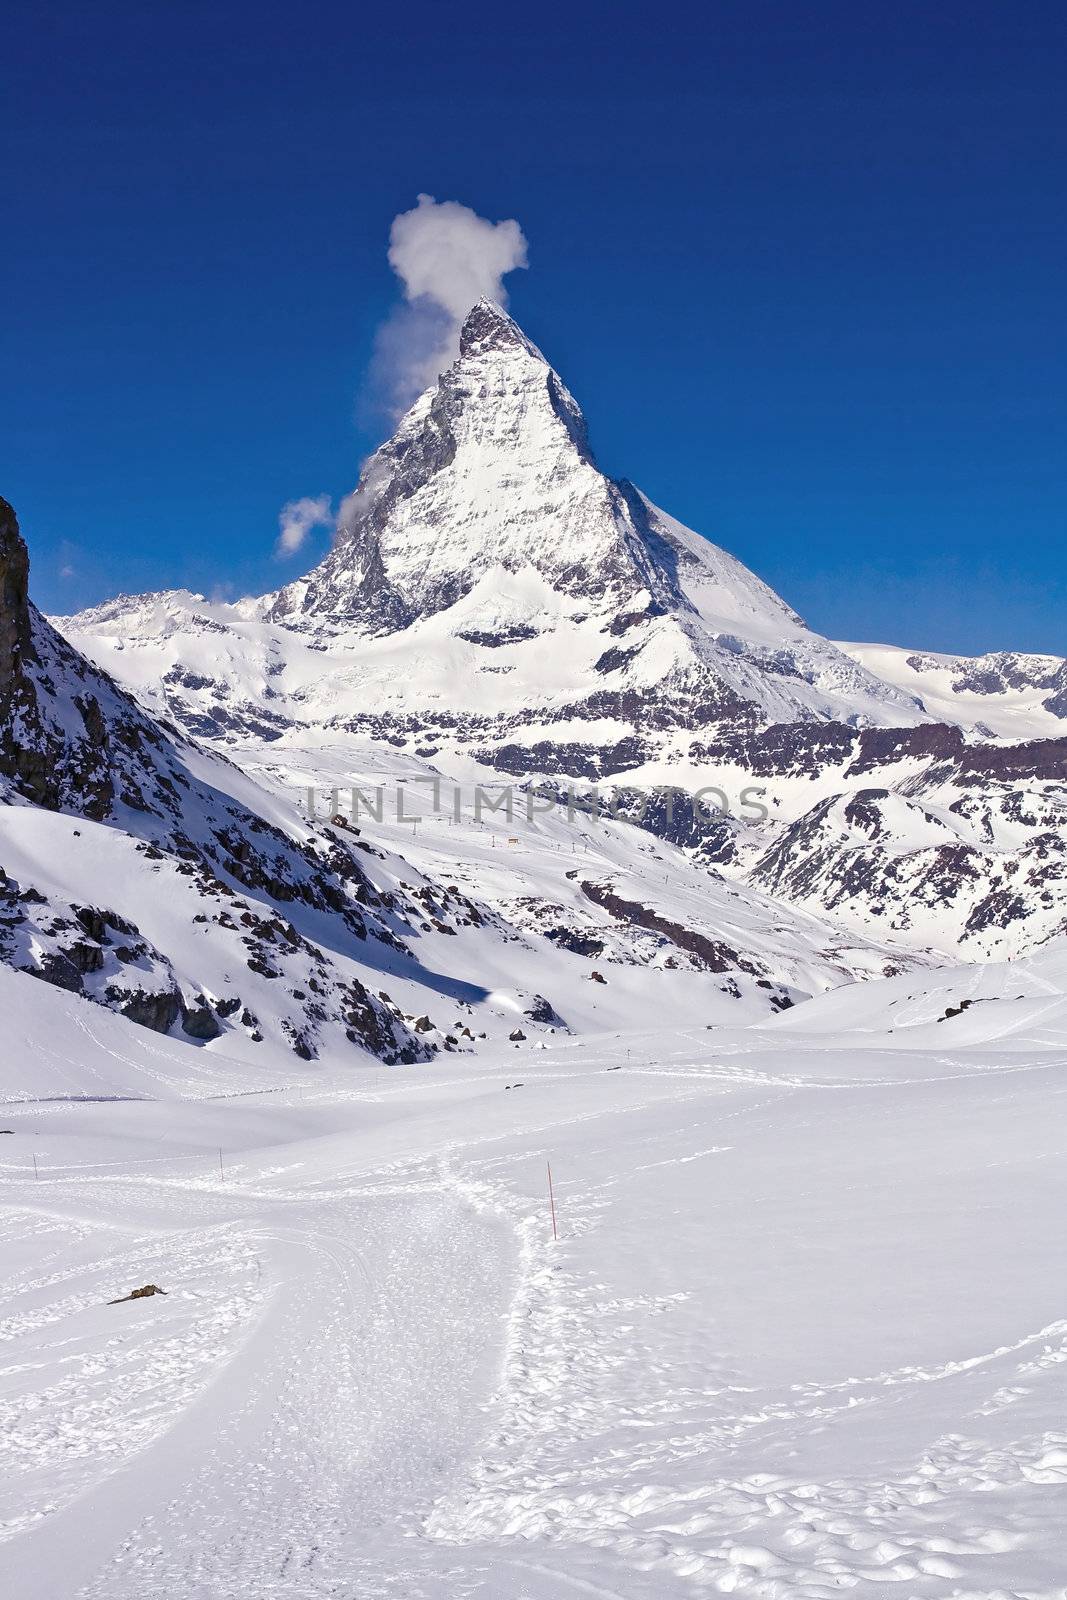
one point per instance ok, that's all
(297, 519)
(447, 257)
(449, 254)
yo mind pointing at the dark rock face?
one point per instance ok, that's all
(486, 327)
(29, 753)
(586, 761)
(56, 967)
(709, 955)
(862, 811)
(199, 1021)
(1057, 700)
(493, 641)
(579, 944)
(78, 948)
(159, 1011)
(1041, 758)
(540, 1010)
(15, 642)
(797, 749)
(674, 816)
(40, 763)
(616, 659)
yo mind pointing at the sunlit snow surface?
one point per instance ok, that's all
(803, 1333)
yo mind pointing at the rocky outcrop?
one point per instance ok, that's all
(706, 954)
(15, 642)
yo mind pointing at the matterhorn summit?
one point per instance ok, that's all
(495, 606)
(490, 471)
(487, 505)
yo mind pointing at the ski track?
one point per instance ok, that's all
(296, 1452)
(375, 1379)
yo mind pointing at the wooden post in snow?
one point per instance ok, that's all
(552, 1202)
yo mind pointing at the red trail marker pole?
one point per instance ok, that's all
(552, 1202)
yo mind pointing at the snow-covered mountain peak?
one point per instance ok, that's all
(491, 468)
(487, 576)
(489, 488)
(487, 326)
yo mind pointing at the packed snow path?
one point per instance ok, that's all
(804, 1333)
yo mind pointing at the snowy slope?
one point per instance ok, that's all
(60, 1047)
(932, 863)
(802, 1332)
(545, 871)
(1007, 1005)
(1003, 695)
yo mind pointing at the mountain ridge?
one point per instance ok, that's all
(153, 877)
(495, 605)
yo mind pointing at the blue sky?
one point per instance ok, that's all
(802, 264)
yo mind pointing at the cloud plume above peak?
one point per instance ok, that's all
(449, 254)
(447, 257)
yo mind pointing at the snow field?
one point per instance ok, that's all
(803, 1332)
